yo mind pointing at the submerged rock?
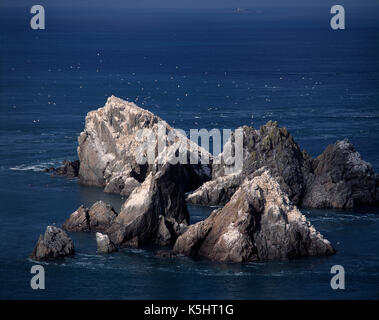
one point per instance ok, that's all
(109, 144)
(258, 223)
(165, 254)
(104, 245)
(55, 243)
(154, 213)
(341, 179)
(97, 218)
(69, 169)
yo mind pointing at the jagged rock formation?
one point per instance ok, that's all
(258, 223)
(341, 179)
(109, 144)
(97, 218)
(155, 212)
(55, 243)
(338, 178)
(270, 147)
(260, 220)
(104, 245)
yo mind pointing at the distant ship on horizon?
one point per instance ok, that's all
(245, 10)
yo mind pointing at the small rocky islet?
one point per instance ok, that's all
(258, 218)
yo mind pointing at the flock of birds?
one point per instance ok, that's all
(172, 88)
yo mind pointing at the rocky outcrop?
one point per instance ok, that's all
(258, 223)
(104, 245)
(270, 147)
(55, 243)
(109, 144)
(340, 179)
(260, 220)
(274, 147)
(154, 213)
(109, 147)
(97, 218)
(68, 169)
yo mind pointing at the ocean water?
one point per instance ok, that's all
(195, 69)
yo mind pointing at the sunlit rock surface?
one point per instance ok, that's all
(258, 223)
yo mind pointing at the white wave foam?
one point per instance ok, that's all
(36, 167)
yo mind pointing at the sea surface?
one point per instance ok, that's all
(195, 69)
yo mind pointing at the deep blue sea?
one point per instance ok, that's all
(195, 69)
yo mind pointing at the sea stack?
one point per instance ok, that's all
(109, 143)
(55, 243)
(341, 179)
(259, 219)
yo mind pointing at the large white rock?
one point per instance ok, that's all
(109, 144)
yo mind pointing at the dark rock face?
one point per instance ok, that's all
(108, 145)
(341, 179)
(69, 169)
(258, 223)
(271, 147)
(275, 148)
(78, 221)
(55, 243)
(98, 218)
(104, 245)
(155, 212)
